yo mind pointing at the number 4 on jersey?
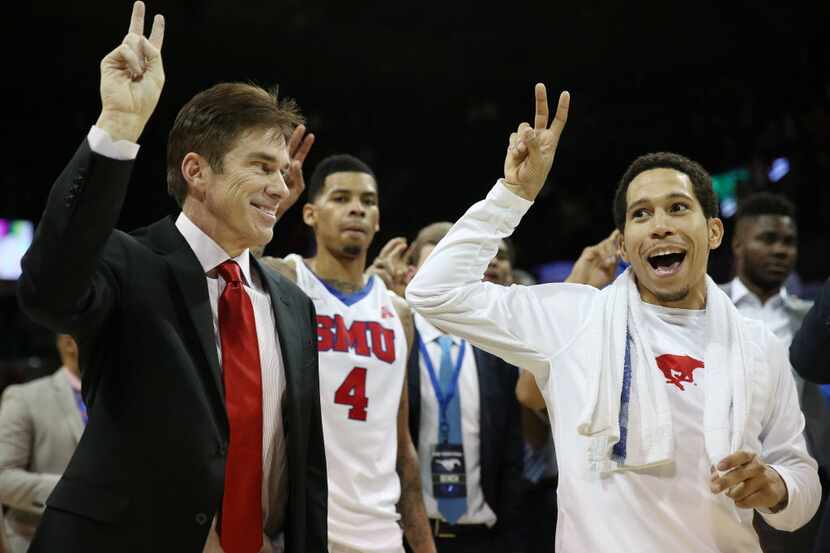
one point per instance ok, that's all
(352, 392)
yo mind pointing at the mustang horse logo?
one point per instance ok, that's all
(449, 464)
(678, 368)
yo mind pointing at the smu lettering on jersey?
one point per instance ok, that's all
(362, 361)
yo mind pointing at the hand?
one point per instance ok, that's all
(598, 263)
(132, 77)
(530, 154)
(750, 483)
(391, 266)
(298, 147)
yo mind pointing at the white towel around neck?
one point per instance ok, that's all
(646, 426)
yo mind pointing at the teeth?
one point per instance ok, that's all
(665, 252)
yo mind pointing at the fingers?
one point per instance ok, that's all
(731, 481)
(133, 43)
(391, 246)
(296, 138)
(137, 19)
(748, 487)
(124, 58)
(157, 32)
(735, 460)
(305, 147)
(399, 249)
(540, 121)
(561, 117)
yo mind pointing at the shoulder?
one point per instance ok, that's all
(283, 266)
(28, 390)
(799, 307)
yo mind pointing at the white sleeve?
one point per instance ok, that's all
(785, 449)
(524, 325)
(102, 143)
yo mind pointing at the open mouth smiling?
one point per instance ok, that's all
(666, 261)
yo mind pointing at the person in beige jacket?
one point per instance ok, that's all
(40, 425)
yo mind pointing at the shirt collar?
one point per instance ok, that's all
(428, 332)
(739, 292)
(208, 252)
(74, 381)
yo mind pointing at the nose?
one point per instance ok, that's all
(780, 249)
(661, 226)
(356, 208)
(277, 187)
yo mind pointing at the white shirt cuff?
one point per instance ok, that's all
(505, 198)
(102, 144)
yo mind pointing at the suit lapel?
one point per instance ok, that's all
(414, 387)
(66, 403)
(190, 278)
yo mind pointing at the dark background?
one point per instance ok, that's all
(428, 92)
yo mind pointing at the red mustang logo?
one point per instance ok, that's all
(678, 368)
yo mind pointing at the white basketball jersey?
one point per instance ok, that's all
(362, 348)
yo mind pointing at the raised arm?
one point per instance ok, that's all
(524, 325)
(64, 286)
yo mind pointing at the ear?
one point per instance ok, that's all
(309, 215)
(715, 232)
(196, 172)
(623, 250)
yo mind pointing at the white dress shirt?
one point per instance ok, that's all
(773, 313)
(210, 256)
(478, 512)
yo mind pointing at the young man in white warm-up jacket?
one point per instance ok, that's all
(674, 417)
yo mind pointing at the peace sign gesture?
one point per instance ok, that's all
(530, 154)
(132, 77)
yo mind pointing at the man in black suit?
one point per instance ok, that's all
(199, 366)
(810, 357)
(485, 516)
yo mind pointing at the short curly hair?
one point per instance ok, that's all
(701, 182)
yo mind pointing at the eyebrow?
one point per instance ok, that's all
(262, 156)
(348, 191)
(669, 196)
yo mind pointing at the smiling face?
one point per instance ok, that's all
(667, 239)
(345, 214)
(236, 205)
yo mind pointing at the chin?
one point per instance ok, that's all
(671, 296)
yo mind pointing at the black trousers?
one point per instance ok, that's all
(466, 538)
(813, 536)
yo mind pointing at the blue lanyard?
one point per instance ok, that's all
(81, 405)
(443, 400)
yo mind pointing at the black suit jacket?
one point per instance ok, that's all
(148, 473)
(500, 431)
(810, 348)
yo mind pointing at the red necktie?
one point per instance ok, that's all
(241, 525)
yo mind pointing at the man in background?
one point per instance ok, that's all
(40, 425)
(463, 416)
(765, 246)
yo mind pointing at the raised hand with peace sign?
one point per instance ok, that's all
(531, 150)
(132, 77)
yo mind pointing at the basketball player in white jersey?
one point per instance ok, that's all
(364, 333)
